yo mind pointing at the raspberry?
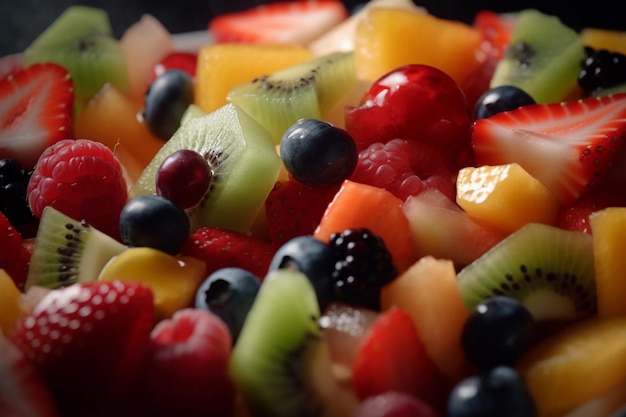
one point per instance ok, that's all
(82, 179)
(404, 168)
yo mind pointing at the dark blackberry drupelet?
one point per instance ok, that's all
(601, 69)
(363, 267)
(13, 183)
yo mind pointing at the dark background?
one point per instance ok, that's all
(22, 20)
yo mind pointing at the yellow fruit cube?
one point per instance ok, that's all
(612, 40)
(505, 196)
(10, 310)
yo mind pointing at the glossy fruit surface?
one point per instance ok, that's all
(499, 99)
(184, 178)
(393, 404)
(186, 61)
(14, 257)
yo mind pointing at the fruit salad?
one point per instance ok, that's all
(310, 211)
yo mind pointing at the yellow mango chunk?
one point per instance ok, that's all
(388, 38)
(505, 196)
(10, 307)
(223, 66)
(608, 229)
(612, 40)
(173, 280)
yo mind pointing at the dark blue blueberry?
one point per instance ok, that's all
(497, 332)
(495, 393)
(318, 153)
(168, 97)
(499, 99)
(155, 222)
(312, 257)
(229, 293)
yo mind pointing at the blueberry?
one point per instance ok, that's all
(155, 222)
(312, 257)
(496, 393)
(317, 153)
(229, 293)
(499, 99)
(168, 97)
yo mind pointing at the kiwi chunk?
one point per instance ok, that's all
(543, 58)
(548, 269)
(244, 161)
(67, 251)
(81, 40)
(306, 90)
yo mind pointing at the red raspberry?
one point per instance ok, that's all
(82, 179)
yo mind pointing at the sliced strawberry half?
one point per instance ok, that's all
(569, 146)
(36, 111)
(281, 22)
(10, 64)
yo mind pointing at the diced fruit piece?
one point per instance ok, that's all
(561, 378)
(549, 270)
(543, 57)
(186, 61)
(568, 147)
(602, 73)
(609, 229)
(394, 404)
(279, 22)
(389, 38)
(505, 196)
(37, 111)
(81, 40)
(14, 256)
(10, 306)
(499, 99)
(184, 178)
(10, 64)
(243, 159)
(600, 38)
(221, 67)
(364, 206)
(429, 292)
(173, 280)
(307, 90)
(67, 251)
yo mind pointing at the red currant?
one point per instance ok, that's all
(184, 178)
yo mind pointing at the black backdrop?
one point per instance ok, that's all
(22, 20)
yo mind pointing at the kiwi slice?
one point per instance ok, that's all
(306, 90)
(543, 57)
(67, 251)
(548, 269)
(244, 161)
(81, 40)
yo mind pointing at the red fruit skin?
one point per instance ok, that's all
(186, 372)
(82, 179)
(415, 102)
(87, 341)
(10, 64)
(392, 358)
(14, 253)
(186, 61)
(393, 404)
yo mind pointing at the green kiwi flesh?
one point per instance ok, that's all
(244, 161)
(548, 269)
(306, 90)
(276, 353)
(67, 251)
(81, 40)
(543, 58)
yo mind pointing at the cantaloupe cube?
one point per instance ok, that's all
(389, 38)
(505, 196)
(608, 228)
(612, 40)
(10, 310)
(223, 66)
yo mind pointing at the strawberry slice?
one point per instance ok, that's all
(569, 146)
(36, 110)
(10, 64)
(281, 22)
(14, 253)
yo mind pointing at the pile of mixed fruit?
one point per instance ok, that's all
(308, 212)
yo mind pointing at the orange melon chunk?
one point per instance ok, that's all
(612, 40)
(10, 310)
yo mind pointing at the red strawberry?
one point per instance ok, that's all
(82, 179)
(393, 404)
(14, 254)
(10, 64)
(280, 22)
(221, 248)
(569, 147)
(37, 105)
(187, 372)
(186, 61)
(87, 340)
(22, 391)
(391, 357)
(294, 209)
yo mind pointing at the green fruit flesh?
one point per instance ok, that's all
(81, 40)
(549, 270)
(243, 159)
(306, 90)
(543, 58)
(67, 251)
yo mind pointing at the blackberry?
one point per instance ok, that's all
(362, 268)
(13, 183)
(601, 69)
